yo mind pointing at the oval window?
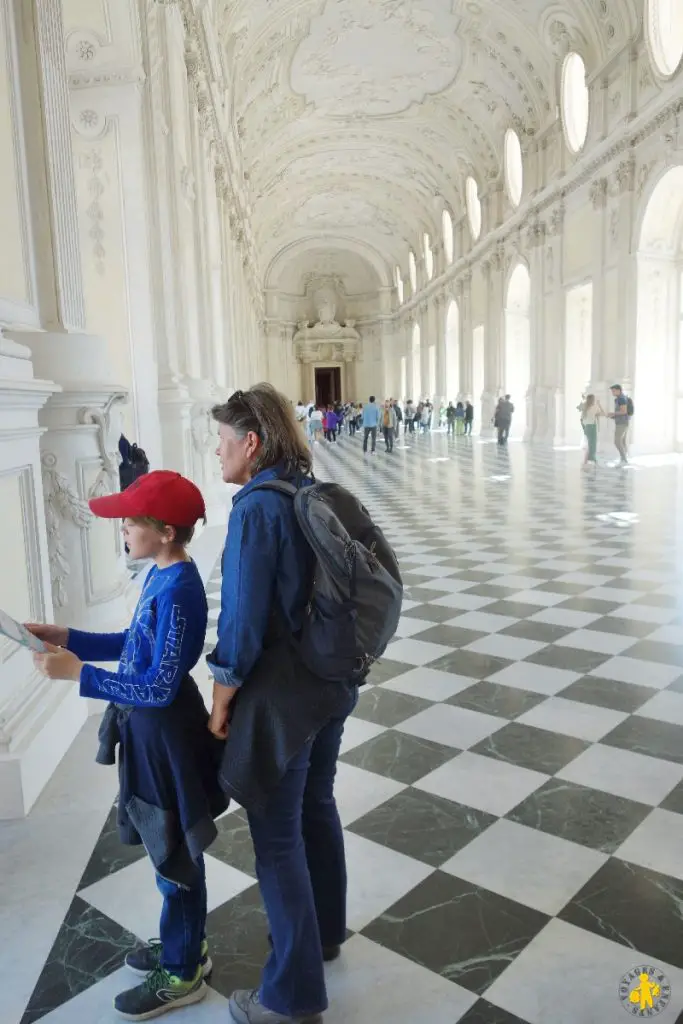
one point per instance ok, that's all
(575, 101)
(473, 207)
(514, 168)
(665, 31)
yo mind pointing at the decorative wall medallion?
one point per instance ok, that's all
(89, 119)
(86, 50)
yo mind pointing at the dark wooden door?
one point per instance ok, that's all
(328, 385)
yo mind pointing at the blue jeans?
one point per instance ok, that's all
(183, 924)
(301, 868)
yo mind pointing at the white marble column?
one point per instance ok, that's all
(466, 346)
(493, 341)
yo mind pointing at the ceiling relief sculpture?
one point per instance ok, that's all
(359, 119)
(377, 58)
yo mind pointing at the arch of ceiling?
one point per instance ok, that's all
(325, 255)
(353, 116)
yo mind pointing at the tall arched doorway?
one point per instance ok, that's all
(658, 377)
(518, 344)
(417, 370)
(452, 352)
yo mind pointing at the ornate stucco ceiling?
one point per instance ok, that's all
(359, 119)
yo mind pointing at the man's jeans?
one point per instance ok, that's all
(368, 431)
(388, 438)
(301, 868)
(183, 924)
(621, 439)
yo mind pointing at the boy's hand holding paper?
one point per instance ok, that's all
(58, 663)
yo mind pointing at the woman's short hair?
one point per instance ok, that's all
(269, 414)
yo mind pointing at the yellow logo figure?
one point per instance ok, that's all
(644, 991)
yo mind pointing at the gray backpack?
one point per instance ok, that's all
(357, 588)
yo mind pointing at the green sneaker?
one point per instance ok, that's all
(159, 992)
(143, 961)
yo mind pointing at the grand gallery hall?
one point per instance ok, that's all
(429, 201)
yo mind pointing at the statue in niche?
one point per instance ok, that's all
(327, 327)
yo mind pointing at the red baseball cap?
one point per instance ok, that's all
(163, 495)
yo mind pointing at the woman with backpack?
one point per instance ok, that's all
(266, 701)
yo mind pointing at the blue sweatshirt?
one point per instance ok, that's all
(370, 415)
(161, 646)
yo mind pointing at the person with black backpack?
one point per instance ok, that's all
(311, 596)
(623, 412)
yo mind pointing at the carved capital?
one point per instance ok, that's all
(556, 223)
(598, 193)
(625, 176)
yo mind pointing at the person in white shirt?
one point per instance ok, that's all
(316, 423)
(590, 410)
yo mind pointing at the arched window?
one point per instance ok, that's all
(473, 207)
(514, 168)
(665, 33)
(399, 284)
(575, 101)
(447, 228)
(412, 266)
(429, 255)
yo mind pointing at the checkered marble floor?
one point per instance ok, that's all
(511, 783)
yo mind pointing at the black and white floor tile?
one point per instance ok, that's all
(511, 783)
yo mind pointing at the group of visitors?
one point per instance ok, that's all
(459, 418)
(270, 742)
(591, 411)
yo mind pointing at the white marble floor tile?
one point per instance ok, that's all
(416, 652)
(536, 869)
(453, 726)
(408, 627)
(130, 896)
(358, 791)
(378, 878)
(482, 621)
(373, 985)
(624, 773)
(665, 706)
(642, 673)
(569, 976)
(466, 602)
(525, 675)
(594, 640)
(564, 617)
(94, 1005)
(656, 843)
(512, 647)
(430, 683)
(482, 782)
(357, 731)
(573, 718)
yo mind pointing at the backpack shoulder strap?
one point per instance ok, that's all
(282, 486)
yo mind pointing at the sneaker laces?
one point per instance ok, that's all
(159, 978)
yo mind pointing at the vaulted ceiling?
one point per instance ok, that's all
(359, 119)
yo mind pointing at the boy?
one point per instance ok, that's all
(168, 761)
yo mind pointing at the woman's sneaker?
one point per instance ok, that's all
(143, 961)
(159, 992)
